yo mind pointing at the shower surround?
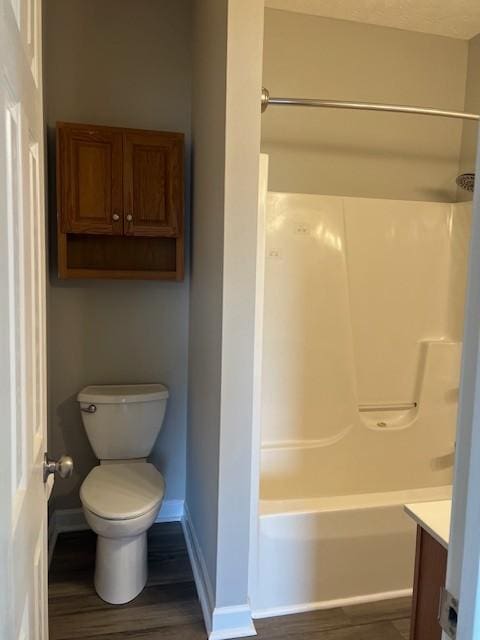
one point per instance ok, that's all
(362, 330)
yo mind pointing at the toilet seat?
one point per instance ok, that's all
(122, 491)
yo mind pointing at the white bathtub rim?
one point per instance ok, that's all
(286, 610)
(328, 504)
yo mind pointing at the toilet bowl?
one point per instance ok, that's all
(122, 496)
(121, 502)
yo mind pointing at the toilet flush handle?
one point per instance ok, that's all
(90, 409)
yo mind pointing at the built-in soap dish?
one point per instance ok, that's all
(383, 416)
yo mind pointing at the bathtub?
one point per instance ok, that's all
(326, 536)
(321, 553)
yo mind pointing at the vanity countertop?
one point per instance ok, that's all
(434, 517)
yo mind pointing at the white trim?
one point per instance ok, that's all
(68, 520)
(171, 511)
(232, 622)
(52, 536)
(255, 503)
(221, 623)
(330, 604)
(199, 568)
(64, 521)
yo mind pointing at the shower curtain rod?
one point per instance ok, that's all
(267, 100)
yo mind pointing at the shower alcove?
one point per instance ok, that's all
(361, 308)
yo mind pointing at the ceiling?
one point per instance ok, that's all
(452, 18)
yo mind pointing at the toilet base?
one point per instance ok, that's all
(121, 568)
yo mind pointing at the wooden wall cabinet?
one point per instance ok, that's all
(120, 204)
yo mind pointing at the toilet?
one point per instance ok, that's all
(122, 496)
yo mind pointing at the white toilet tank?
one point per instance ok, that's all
(123, 421)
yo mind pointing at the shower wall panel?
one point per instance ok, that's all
(308, 376)
(398, 266)
(363, 320)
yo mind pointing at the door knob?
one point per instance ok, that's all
(63, 467)
(115, 217)
(129, 217)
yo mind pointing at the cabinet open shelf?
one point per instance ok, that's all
(120, 257)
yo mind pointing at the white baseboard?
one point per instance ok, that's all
(171, 511)
(68, 520)
(221, 623)
(329, 604)
(199, 568)
(64, 521)
(232, 622)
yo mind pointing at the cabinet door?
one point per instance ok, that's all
(89, 178)
(153, 183)
(430, 571)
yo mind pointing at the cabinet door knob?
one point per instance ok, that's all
(115, 217)
(129, 217)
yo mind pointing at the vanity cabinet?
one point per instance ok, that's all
(430, 572)
(120, 204)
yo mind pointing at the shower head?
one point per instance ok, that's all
(466, 181)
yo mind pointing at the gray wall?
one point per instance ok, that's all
(472, 103)
(120, 63)
(205, 339)
(359, 153)
(227, 59)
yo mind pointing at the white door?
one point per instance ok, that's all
(463, 572)
(23, 495)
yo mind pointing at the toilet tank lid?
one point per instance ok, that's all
(122, 393)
